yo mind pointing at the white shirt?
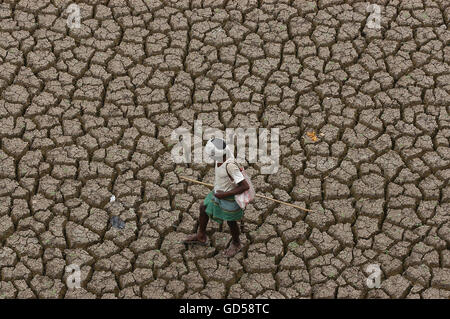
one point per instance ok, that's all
(222, 181)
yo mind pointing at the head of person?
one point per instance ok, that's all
(217, 149)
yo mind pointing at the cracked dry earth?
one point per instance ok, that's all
(87, 113)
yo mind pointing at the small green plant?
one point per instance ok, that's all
(293, 245)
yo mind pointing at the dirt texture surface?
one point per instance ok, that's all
(364, 139)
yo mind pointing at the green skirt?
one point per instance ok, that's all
(222, 209)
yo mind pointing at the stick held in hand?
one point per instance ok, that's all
(257, 195)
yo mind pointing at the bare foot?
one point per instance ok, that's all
(195, 239)
(232, 250)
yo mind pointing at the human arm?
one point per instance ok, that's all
(240, 188)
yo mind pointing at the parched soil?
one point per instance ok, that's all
(364, 142)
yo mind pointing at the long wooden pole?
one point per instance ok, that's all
(257, 195)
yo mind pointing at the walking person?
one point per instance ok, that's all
(220, 204)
